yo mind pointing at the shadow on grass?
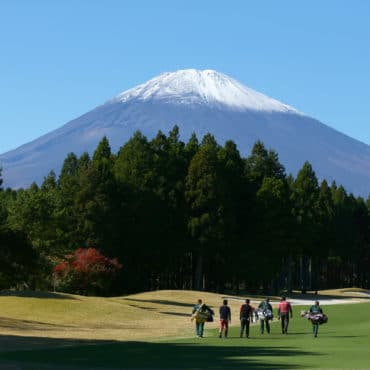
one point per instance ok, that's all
(142, 355)
(35, 294)
(143, 308)
(161, 301)
(176, 314)
(314, 297)
(8, 323)
(17, 343)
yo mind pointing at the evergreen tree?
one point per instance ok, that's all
(84, 162)
(361, 250)
(305, 194)
(176, 213)
(191, 147)
(3, 205)
(203, 196)
(68, 186)
(236, 210)
(273, 240)
(96, 198)
(18, 260)
(170, 164)
(262, 163)
(134, 164)
(136, 174)
(325, 240)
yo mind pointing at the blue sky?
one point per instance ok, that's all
(60, 59)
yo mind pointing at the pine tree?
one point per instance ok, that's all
(1, 179)
(203, 198)
(262, 163)
(96, 197)
(305, 194)
(68, 186)
(236, 211)
(134, 164)
(138, 182)
(191, 147)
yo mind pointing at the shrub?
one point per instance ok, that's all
(86, 271)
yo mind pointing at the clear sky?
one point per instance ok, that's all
(59, 59)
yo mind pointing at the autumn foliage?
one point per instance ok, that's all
(86, 271)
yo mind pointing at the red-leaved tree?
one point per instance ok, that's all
(86, 271)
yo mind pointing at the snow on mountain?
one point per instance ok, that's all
(203, 87)
(200, 102)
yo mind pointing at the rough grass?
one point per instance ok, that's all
(135, 317)
(153, 330)
(143, 316)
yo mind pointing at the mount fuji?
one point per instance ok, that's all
(200, 102)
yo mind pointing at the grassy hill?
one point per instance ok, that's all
(153, 330)
(141, 316)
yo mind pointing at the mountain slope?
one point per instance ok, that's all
(201, 102)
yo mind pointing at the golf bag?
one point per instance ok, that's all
(315, 318)
(202, 314)
(264, 314)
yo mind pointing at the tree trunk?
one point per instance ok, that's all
(289, 275)
(199, 273)
(237, 286)
(304, 273)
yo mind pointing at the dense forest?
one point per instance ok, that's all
(194, 215)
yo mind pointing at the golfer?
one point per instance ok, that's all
(225, 318)
(284, 310)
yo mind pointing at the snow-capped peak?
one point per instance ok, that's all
(191, 86)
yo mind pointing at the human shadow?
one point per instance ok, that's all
(69, 354)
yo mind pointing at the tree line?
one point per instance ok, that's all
(194, 215)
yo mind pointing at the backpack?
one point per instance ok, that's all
(209, 317)
(245, 311)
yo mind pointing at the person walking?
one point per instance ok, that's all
(225, 318)
(266, 310)
(315, 310)
(246, 312)
(284, 310)
(200, 314)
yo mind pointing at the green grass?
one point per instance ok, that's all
(343, 343)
